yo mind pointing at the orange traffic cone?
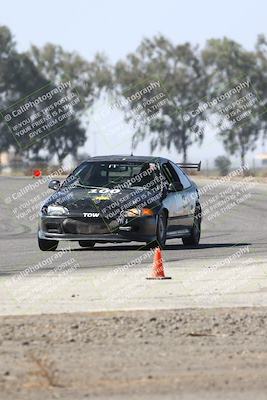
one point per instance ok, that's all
(37, 173)
(157, 269)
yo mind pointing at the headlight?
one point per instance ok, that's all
(57, 210)
(138, 212)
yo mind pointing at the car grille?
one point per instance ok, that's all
(85, 227)
(53, 227)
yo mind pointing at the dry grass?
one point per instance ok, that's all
(44, 373)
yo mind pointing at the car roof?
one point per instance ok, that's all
(117, 158)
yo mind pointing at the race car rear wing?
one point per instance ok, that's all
(196, 166)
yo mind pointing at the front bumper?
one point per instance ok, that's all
(141, 229)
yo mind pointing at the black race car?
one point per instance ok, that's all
(122, 199)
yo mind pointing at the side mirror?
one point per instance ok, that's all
(175, 187)
(54, 184)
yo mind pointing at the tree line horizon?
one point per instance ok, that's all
(190, 75)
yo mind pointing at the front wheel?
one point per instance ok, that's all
(194, 238)
(161, 232)
(47, 245)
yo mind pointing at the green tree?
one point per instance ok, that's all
(23, 73)
(180, 72)
(261, 80)
(18, 76)
(228, 63)
(87, 78)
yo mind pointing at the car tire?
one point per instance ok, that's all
(194, 238)
(47, 245)
(87, 243)
(160, 232)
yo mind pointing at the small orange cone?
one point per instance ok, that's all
(37, 173)
(157, 269)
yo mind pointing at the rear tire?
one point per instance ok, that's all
(47, 245)
(87, 243)
(194, 238)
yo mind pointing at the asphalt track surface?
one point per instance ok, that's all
(98, 283)
(181, 344)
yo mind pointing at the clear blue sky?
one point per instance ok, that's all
(116, 27)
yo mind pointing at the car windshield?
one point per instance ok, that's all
(113, 174)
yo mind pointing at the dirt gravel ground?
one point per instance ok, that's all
(172, 354)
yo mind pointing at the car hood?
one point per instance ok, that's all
(108, 202)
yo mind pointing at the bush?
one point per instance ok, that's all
(223, 164)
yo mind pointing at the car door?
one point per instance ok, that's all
(175, 202)
(188, 195)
